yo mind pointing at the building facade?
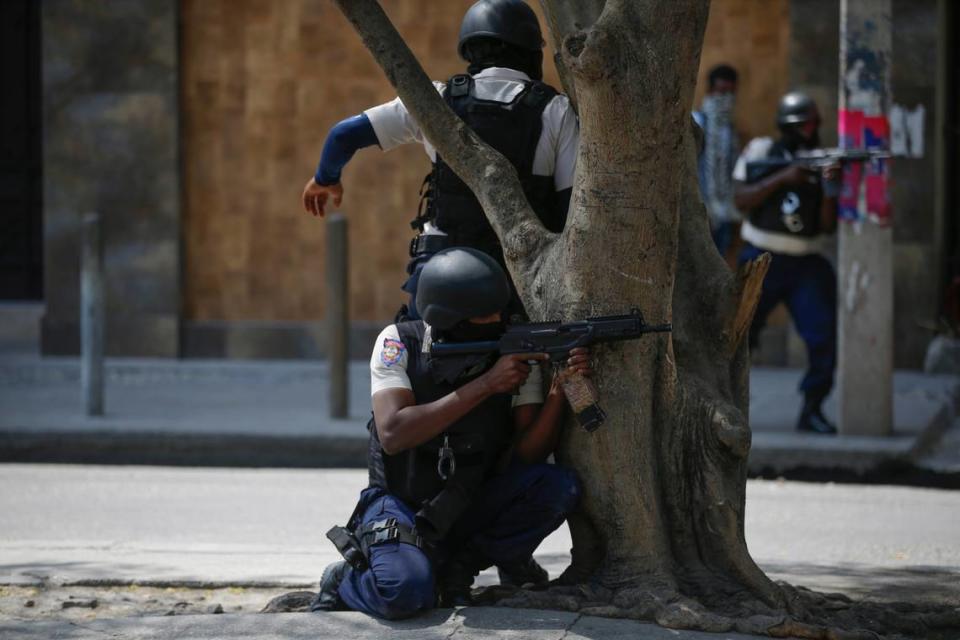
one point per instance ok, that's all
(191, 126)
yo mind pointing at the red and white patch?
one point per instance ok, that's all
(392, 351)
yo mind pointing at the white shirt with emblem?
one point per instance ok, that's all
(388, 368)
(556, 153)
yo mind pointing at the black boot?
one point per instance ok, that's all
(523, 573)
(456, 578)
(328, 598)
(812, 418)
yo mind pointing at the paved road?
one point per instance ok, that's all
(186, 525)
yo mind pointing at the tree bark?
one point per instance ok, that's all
(660, 534)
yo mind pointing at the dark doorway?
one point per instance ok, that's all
(21, 222)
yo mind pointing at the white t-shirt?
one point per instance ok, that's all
(388, 368)
(759, 149)
(756, 149)
(556, 153)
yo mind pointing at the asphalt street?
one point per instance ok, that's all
(156, 525)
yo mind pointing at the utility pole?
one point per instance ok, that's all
(865, 273)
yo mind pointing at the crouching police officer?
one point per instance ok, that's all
(789, 211)
(457, 448)
(502, 98)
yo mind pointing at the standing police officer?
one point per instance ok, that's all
(503, 99)
(789, 211)
(457, 478)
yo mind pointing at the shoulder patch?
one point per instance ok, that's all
(392, 351)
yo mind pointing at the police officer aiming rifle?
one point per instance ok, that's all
(791, 205)
(457, 478)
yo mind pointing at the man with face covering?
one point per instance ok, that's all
(719, 154)
(458, 480)
(790, 210)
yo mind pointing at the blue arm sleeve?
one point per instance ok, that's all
(345, 138)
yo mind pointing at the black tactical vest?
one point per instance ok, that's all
(478, 439)
(511, 128)
(793, 210)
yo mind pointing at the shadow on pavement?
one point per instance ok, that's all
(912, 584)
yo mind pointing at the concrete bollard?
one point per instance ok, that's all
(91, 315)
(338, 315)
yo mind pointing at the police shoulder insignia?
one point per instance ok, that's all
(392, 351)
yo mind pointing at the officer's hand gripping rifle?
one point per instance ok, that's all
(556, 339)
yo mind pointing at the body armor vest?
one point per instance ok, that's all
(511, 128)
(477, 441)
(793, 210)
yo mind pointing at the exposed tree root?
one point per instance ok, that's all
(825, 616)
(290, 602)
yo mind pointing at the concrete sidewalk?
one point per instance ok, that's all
(274, 413)
(470, 623)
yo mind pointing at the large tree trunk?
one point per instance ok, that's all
(661, 531)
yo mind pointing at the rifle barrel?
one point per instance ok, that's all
(656, 328)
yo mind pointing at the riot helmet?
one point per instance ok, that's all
(460, 283)
(799, 121)
(796, 107)
(509, 21)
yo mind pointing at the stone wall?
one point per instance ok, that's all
(110, 126)
(233, 99)
(263, 82)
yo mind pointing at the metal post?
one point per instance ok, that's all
(337, 314)
(865, 274)
(91, 316)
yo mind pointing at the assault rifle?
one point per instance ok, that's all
(556, 339)
(815, 159)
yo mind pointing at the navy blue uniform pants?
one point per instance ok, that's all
(512, 514)
(808, 286)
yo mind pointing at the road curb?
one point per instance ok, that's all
(183, 449)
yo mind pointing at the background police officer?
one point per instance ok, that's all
(789, 211)
(456, 453)
(503, 100)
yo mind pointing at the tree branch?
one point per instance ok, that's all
(566, 19)
(489, 175)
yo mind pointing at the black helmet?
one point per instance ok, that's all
(795, 107)
(511, 21)
(459, 283)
